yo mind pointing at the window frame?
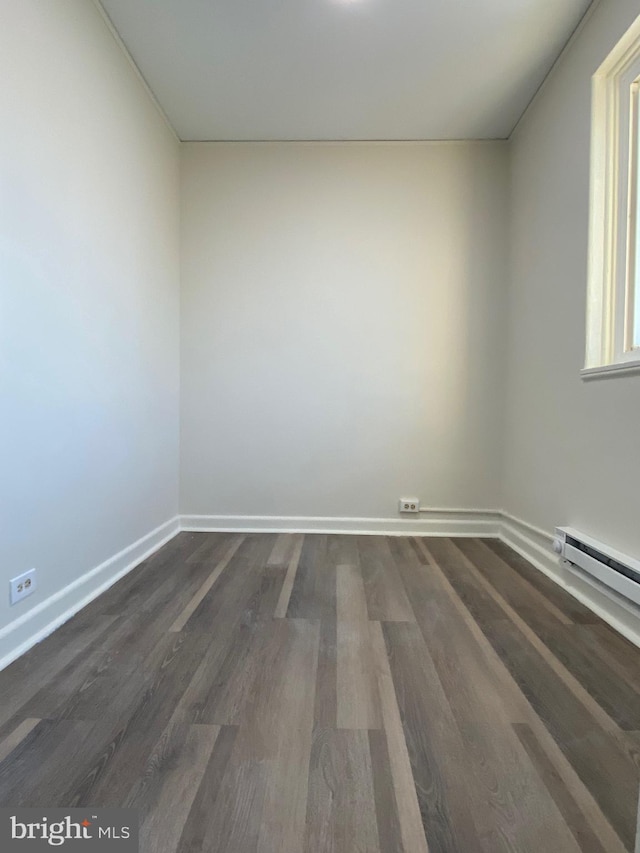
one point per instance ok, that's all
(614, 210)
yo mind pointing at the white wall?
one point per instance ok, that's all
(342, 327)
(572, 446)
(88, 300)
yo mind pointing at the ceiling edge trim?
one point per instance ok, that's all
(329, 142)
(125, 51)
(558, 61)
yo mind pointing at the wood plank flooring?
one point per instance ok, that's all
(274, 693)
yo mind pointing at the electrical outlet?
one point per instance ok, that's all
(22, 586)
(408, 505)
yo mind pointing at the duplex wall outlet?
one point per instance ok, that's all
(22, 586)
(409, 505)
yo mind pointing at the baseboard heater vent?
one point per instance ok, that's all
(613, 569)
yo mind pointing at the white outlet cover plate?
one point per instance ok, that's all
(22, 586)
(411, 505)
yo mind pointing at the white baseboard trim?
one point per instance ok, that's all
(535, 545)
(19, 636)
(441, 522)
(532, 543)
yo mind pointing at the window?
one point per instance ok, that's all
(634, 289)
(613, 304)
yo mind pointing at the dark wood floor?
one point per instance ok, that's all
(352, 694)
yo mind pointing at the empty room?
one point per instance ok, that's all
(320, 426)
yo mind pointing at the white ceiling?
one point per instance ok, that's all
(344, 69)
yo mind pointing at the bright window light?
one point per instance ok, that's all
(613, 303)
(633, 295)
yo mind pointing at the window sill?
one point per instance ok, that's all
(609, 370)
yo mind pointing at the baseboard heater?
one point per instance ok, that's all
(612, 568)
